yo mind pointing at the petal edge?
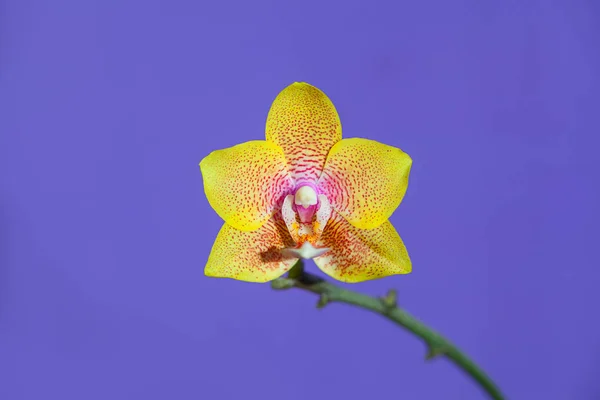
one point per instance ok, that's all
(365, 180)
(304, 122)
(245, 183)
(250, 256)
(359, 255)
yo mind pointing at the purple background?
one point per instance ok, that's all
(106, 108)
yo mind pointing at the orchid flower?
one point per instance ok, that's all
(305, 192)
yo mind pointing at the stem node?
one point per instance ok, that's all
(323, 300)
(390, 300)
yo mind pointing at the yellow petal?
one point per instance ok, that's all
(304, 122)
(251, 256)
(245, 183)
(358, 255)
(365, 180)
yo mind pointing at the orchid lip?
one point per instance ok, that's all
(306, 201)
(306, 251)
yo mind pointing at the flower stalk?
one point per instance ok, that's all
(387, 306)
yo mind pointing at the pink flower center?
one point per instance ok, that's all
(306, 202)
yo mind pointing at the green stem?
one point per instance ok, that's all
(386, 306)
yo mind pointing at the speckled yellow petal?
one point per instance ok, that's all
(365, 180)
(359, 255)
(245, 183)
(304, 122)
(251, 256)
